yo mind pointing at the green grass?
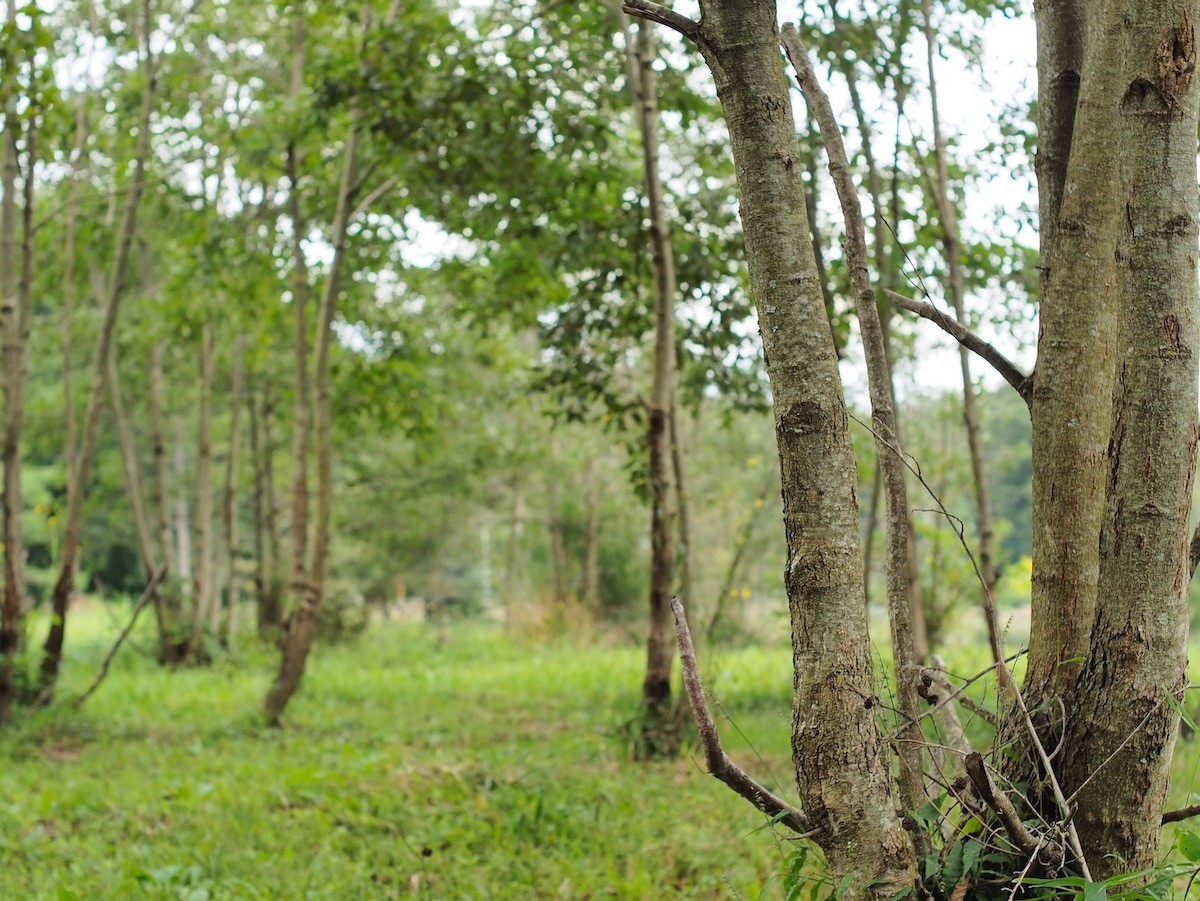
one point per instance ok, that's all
(455, 766)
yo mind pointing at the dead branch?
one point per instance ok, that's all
(970, 340)
(656, 12)
(998, 801)
(719, 763)
(150, 592)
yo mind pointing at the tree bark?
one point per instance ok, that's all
(77, 486)
(300, 291)
(658, 718)
(10, 305)
(137, 502)
(1123, 727)
(899, 539)
(836, 746)
(182, 525)
(1071, 404)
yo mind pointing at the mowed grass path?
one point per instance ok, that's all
(459, 764)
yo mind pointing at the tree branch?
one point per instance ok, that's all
(150, 592)
(656, 12)
(1178, 816)
(998, 801)
(719, 764)
(968, 339)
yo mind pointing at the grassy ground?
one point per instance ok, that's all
(454, 766)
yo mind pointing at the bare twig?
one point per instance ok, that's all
(148, 594)
(998, 801)
(719, 763)
(968, 339)
(656, 12)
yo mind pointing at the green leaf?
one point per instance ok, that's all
(1189, 845)
(971, 852)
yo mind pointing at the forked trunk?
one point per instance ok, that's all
(77, 485)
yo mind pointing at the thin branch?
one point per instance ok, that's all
(1183, 813)
(998, 801)
(719, 764)
(656, 12)
(367, 202)
(968, 339)
(148, 594)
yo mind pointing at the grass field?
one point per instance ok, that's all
(459, 764)
(456, 766)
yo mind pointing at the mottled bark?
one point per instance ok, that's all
(182, 514)
(660, 651)
(1122, 729)
(840, 765)
(1071, 404)
(77, 485)
(899, 539)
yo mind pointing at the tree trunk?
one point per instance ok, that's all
(137, 502)
(202, 578)
(268, 579)
(1072, 397)
(554, 530)
(300, 291)
(303, 622)
(591, 539)
(77, 485)
(836, 746)
(658, 724)
(13, 353)
(900, 536)
(230, 499)
(516, 532)
(183, 515)
(1122, 731)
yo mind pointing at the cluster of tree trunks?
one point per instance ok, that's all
(1113, 404)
